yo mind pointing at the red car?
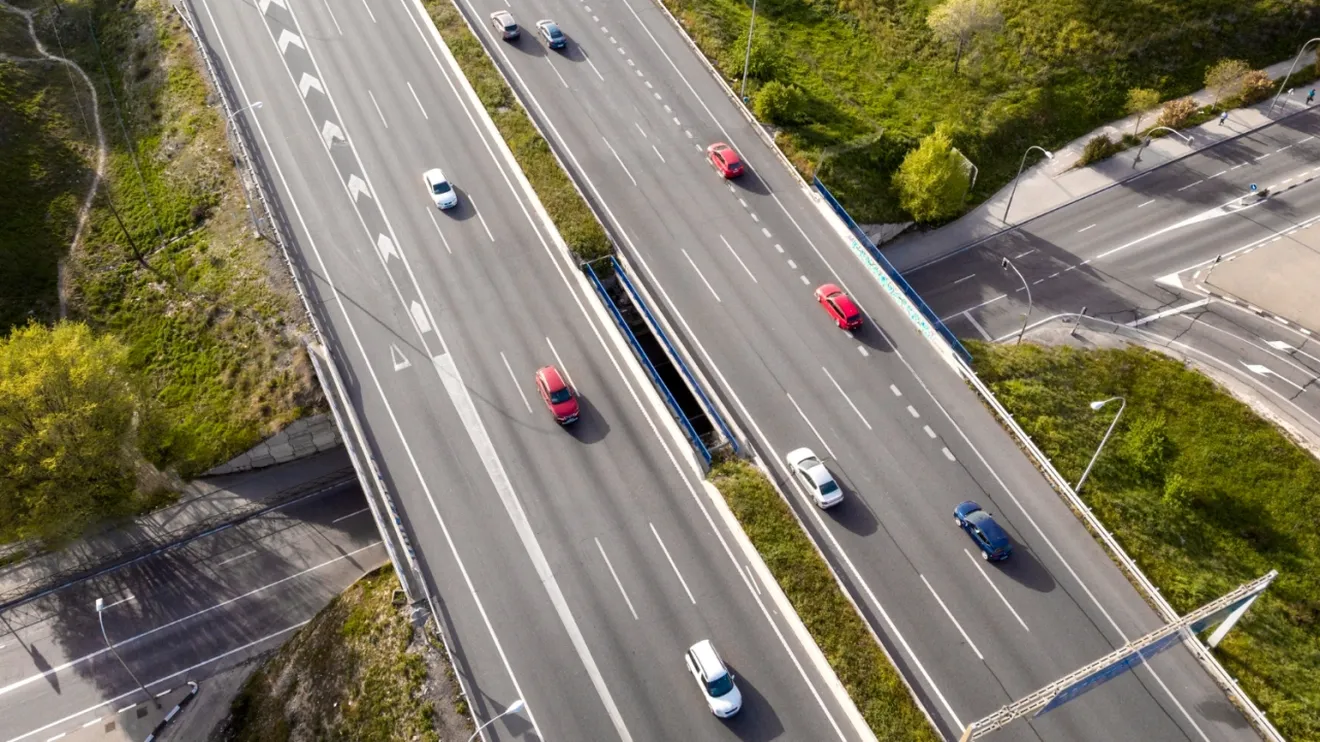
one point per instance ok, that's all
(840, 308)
(725, 160)
(557, 395)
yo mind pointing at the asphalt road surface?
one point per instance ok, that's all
(572, 568)
(631, 109)
(184, 614)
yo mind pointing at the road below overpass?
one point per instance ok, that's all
(570, 567)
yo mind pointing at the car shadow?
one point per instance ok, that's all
(757, 719)
(527, 42)
(870, 335)
(751, 182)
(1026, 569)
(463, 211)
(591, 426)
(854, 513)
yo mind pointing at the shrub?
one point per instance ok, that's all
(780, 103)
(1224, 78)
(1177, 113)
(1256, 87)
(763, 64)
(932, 180)
(1099, 147)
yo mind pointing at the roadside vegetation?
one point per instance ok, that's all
(176, 297)
(1203, 493)
(861, 665)
(565, 205)
(359, 672)
(859, 83)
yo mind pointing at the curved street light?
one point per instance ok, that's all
(513, 708)
(1297, 59)
(1048, 155)
(100, 615)
(1096, 407)
(1186, 139)
(252, 107)
(1006, 264)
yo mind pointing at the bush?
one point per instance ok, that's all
(932, 180)
(764, 63)
(1256, 87)
(781, 104)
(1099, 147)
(1177, 113)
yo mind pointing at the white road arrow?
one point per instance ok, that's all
(263, 4)
(386, 247)
(330, 132)
(396, 356)
(419, 317)
(357, 187)
(307, 83)
(1286, 348)
(1256, 368)
(288, 37)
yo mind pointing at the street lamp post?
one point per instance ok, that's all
(100, 615)
(1297, 59)
(1186, 139)
(513, 708)
(1048, 155)
(747, 58)
(1006, 264)
(1096, 406)
(252, 107)
(975, 171)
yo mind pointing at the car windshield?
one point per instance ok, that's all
(978, 517)
(554, 33)
(510, 26)
(441, 187)
(829, 487)
(720, 686)
(560, 396)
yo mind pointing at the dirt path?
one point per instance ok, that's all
(98, 173)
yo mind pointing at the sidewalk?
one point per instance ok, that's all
(205, 504)
(1053, 182)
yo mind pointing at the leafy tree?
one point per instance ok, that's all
(69, 410)
(960, 20)
(1140, 100)
(763, 64)
(781, 103)
(1225, 78)
(933, 179)
(1256, 86)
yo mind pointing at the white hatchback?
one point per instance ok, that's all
(810, 472)
(714, 678)
(441, 190)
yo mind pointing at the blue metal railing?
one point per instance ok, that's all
(646, 362)
(894, 275)
(660, 333)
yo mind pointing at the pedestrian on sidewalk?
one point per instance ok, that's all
(1310, 97)
(1223, 117)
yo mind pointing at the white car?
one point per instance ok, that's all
(722, 696)
(810, 472)
(442, 191)
(502, 21)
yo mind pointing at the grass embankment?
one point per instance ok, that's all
(358, 671)
(1056, 70)
(1200, 491)
(211, 320)
(834, 623)
(565, 205)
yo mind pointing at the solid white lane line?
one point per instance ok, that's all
(846, 398)
(984, 335)
(657, 153)
(809, 425)
(752, 578)
(92, 722)
(560, 361)
(244, 555)
(58, 736)
(516, 385)
(996, 589)
(593, 67)
(1148, 203)
(1083, 229)
(740, 260)
(332, 17)
(620, 161)
(957, 281)
(956, 625)
(420, 107)
(431, 212)
(368, 7)
(703, 278)
(551, 65)
(378, 111)
(678, 574)
(615, 575)
(350, 515)
(480, 218)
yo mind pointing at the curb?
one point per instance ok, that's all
(160, 728)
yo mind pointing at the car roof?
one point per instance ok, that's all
(434, 174)
(798, 454)
(994, 533)
(845, 303)
(553, 379)
(708, 661)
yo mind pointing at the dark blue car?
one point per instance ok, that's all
(984, 531)
(554, 38)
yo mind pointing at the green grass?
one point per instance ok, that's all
(834, 623)
(1200, 491)
(214, 324)
(569, 212)
(1058, 69)
(351, 674)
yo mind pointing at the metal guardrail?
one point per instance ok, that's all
(1125, 562)
(894, 275)
(646, 361)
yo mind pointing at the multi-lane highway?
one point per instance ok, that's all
(570, 567)
(631, 108)
(183, 614)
